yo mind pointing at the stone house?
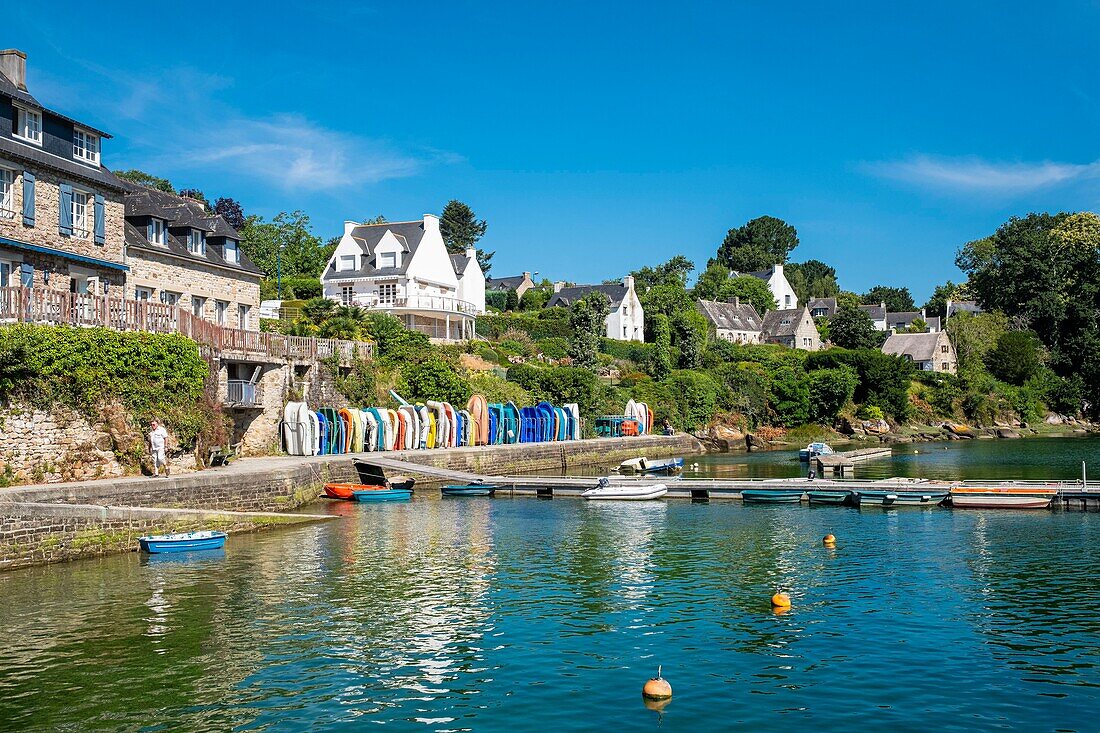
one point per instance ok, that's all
(61, 210)
(520, 283)
(180, 254)
(625, 322)
(792, 327)
(404, 268)
(733, 320)
(930, 352)
(822, 307)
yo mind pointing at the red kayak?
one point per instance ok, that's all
(347, 491)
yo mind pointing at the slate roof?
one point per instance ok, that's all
(964, 306)
(730, 316)
(903, 319)
(8, 89)
(459, 263)
(828, 304)
(178, 212)
(785, 322)
(567, 296)
(100, 177)
(367, 236)
(877, 312)
(917, 346)
(503, 283)
(762, 274)
(933, 323)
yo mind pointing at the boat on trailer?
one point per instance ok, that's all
(664, 466)
(471, 489)
(1002, 496)
(183, 541)
(606, 491)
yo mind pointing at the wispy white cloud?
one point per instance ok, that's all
(976, 175)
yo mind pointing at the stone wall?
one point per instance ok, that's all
(188, 277)
(53, 445)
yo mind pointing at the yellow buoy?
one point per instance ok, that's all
(828, 540)
(781, 600)
(657, 688)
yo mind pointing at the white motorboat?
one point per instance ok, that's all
(606, 491)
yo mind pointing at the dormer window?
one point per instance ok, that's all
(196, 243)
(387, 259)
(345, 262)
(232, 252)
(157, 232)
(86, 146)
(27, 125)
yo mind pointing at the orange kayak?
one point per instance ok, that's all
(347, 491)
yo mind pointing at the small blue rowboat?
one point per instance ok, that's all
(772, 496)
(383, 495)
(829, 497)
(469, 490)
(895, 498)
(183, 542)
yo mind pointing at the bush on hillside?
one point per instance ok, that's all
(829, 391)
(883, 379)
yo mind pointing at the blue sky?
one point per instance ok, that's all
(599, 137)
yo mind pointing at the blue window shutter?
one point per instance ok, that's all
(28, 199)
(100, 229)
(26, 275)
(65, 211)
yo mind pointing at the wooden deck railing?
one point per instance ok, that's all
(57, 307)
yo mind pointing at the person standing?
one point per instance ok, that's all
(158, 446)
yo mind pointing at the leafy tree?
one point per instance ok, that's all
(936, 305)
(919, 325)
(851, 328)
(673, 273)
(662, 338)
(847, 298)
(340, 327)
(288, 235)
(883, 379)
(811, 279)
(751, 290)
(693, 397)
(757, 245)
(711, 281)
(829, 391)
(690, 328)
(974, 336)
(664, 300)
(394, 343)
(461, 228)
(511, 301)
(1016, 358)
(790, 398)
(587, 318)
(231, 211)
(142, 178)
(897, 300)
(535, 298)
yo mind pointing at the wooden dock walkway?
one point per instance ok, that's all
(845, 460)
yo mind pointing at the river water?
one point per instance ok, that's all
(522, 614)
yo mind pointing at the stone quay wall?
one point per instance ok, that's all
(53, 445)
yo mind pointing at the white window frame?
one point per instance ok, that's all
(387, 293)
(24, 131)
(221, 312)
(232, 247)
(347, 294)
(382, 264)
(159, 232)
(244, 313)
(196, 242)
(8, 177)
(169, 297)
(85, 146)
(143, 293)
(15, 272)
(82, 224)
(198, 305)
(341, 261)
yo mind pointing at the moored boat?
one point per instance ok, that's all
(829, 497)
(346, 491)
(381, 493)
(813, 450)
(772, 496)
(1001, 497)
(665, 466)
(472, 489)
(605, 491)
(901, 497)
(183, 541)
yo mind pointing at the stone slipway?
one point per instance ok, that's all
(47, 523)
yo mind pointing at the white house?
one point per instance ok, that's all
(625, 322)
(403, 268)
(782, 291)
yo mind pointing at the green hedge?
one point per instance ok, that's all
(545, 325)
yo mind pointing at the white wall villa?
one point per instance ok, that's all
(404, 268)
(625, 322)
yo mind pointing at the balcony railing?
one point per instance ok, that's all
(440, 303)
(58, 307)
(241, 393)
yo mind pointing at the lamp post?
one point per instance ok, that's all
(278, 272)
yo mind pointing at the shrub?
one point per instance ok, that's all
(432, 378)
(883, 379)
(553, 348)
(829, 391)
(790, 399)
(693, 396)
(302, 288)
(870, 412)
(537, 326)
(496, 389)
(496, 299)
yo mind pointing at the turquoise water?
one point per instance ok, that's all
(523, 614)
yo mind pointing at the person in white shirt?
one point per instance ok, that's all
(158, 446)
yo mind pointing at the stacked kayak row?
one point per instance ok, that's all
(435, 424)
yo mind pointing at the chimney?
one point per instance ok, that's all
(947, 311)
(734, 301)
(558, 286)
(526, 276)
(13, 64)
(431, 223)
(778, 268)
(471, 253)
(348, 226)
(628, 282)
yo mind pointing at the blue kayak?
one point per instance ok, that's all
(383, 495)
(468, 490)
(183, 542)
